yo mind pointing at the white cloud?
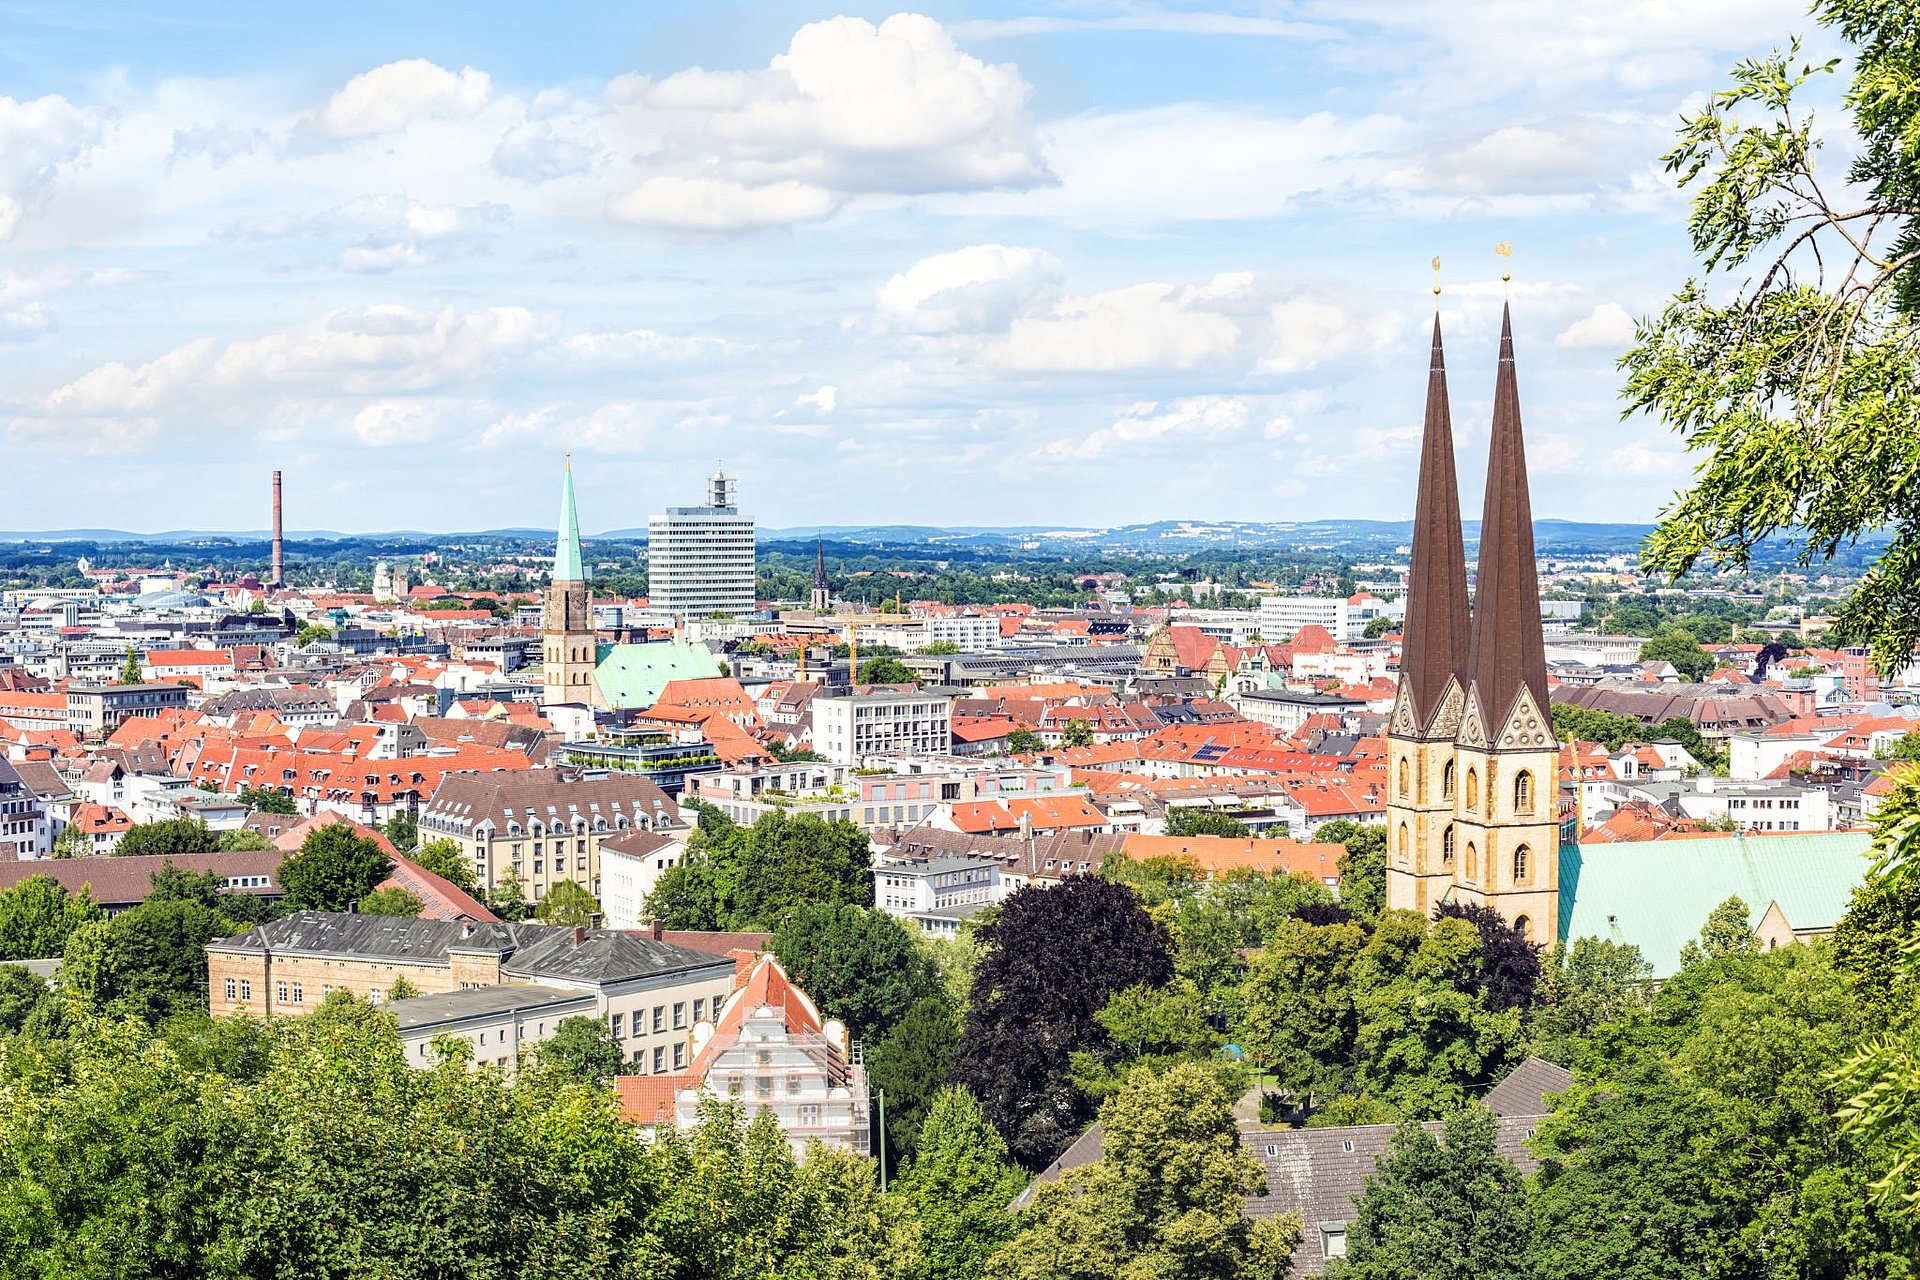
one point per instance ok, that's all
(823, 400)
(1607, 327)
(1310, 331)
(974, 289)
(25, 323)
(393, 422)
(39, 139)
(638, 346)
(389, 98)
(1148, 425)
(1638, 458)
(543, 151)
(718, 205)
(386, 231)
(1142, 326)
(1168, 21)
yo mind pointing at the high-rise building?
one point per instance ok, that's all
(1474, 765)
(700, 559)
(569, 649)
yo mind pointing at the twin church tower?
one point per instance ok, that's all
(1473, 765)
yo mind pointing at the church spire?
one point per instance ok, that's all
(567, 566)
(1507, 652)
(822, 593)
(1434, 636)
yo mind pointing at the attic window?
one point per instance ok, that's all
(1273, 1149)
(1346, 1145)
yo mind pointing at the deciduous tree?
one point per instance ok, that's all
(37, 915)
(956, 1189)
(333, 869)
(568, 904)
(859, 964)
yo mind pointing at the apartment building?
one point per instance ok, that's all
(851, 728)
(102, 708)
(700, 559)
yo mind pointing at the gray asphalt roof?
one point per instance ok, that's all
(480, 1002)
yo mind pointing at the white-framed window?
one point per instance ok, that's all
(230, 988)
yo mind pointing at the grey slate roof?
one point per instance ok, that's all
(1524, 1091)
(480, 1002)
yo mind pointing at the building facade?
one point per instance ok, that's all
(853, 727)
(569, 648)
(700, 560)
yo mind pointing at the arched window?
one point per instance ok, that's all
(1473, 859)
(1524, 927)
(1446, 781)
(1473, 789)
(1446, 847)
(1520, 865)
(1523, 792)
(1406, 845)
(1406, 777)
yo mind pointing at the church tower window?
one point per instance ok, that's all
(1473, 861)
(1520, 865)
(1473, 788)
(1446, 781)
(1523, 792)
(1446, 847)
(1406, 777)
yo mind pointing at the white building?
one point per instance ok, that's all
(630, 866)
(968, 633)
(1282, 616)
(1759, 806)
(850, 728)
(700, 559)
(936, 893)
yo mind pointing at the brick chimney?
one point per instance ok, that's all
(579, 934)
(658, 930)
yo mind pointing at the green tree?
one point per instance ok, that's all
(956, 1189)
(21, 996)
(391, 901)
(209, 889)
(508, 899)
(333, 869)
(1076, 733)
(1151, 1029)
(1192, 820)
(311, 633)
(442, 857)
(940, 649)
(1363, 867)
(735, 877)
(402, 988)
(1299, 1018)
(859, 964)
(268, 800)
(240, 839)
(130, 670)
(149, 962)
(1905, 747)
(170, 836)
(886, 670)
(402, 830)
(37, 916)
(72, 842)
(567, 904)
(1728, 931)
(581, 1049)
(911, 1064)
(1377, 627)
(1682, 650)
(1166, 1198)
(1023, 741)
(1451, 1208)
(1586, 986)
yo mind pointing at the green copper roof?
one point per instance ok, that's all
(566, 551)
(632, 675)
(1656, 894)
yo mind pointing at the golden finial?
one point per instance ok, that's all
(1436, 275)
(1505, 250)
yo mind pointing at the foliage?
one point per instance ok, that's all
(940, 649)
(858, 964)
(736, 877)
(955, 1189)
(268, 800)
(1451, 1208)
(72, 842)
(568, 904)
(1023, 741)
(911, 1064)
(21, 996)
(311, 633)
(149, 962)
(508, 899)
(1509, 964)
(886, 670)
(1165, 1198)
(790, 755)
(1585, 988)
(402, 988)
(37, 916)
(1193, 820)
(1728, 931)
(402, 830)
(333, 869)
(1151, 1029)
(130, 670)
(1046, 967)
(1363, 867)
(581, 1050)
(391, 901)
(1682, 650)
(1076, 732)
(209, 889)
(1905, 747)
(169, 836)
(242, 839)
(442, 857)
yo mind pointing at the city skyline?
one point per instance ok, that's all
(989, 266)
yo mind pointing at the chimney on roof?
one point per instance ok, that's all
(657, 930)
(579, 934)
(466, 928)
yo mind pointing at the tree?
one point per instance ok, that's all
(1377, 627)
(1076, 733)
(333, 869)
(268, 800)
(1509, 964)
(170, 836)
(21, 996)
(240, 839)
(1584, 987)
(1023, 741)
(1792, 366)
(1166, 1198)
(72, 842)
(1151, 1029)
(312, 633)
(1682, 650)
(582, 1050)
(1446, 1209)
(956, 1189)
(1299, 1018)
(1905, 747)
(940, 649)
(209, 889)
(858, 964)
(37, 916)
(402, 830)
(149, 962)
(508, 899)
(911, 1064)
(403, 989)
(1363, 867)
(130, 670)
(391, 901)
(1728, 931)
(443, 857)
(567, 904)
(1192, 820)
(1047, 965)
(886, 670)
(735, 877)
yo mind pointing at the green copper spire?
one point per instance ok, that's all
(566, 552)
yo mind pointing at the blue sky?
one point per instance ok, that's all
(1071, 262)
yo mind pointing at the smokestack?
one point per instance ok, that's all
(279, 543)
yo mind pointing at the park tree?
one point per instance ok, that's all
(1363, 867)
(391, 901)
(1906, 747)
(1298, 1019)
(1587, 986)
(333, 870)
(1166, 1198)
(1727, 932)
(402, 830)
(1509, 964)
(170, 836)
(569, 904)
(312, 633)
(956, 1189)
(581, 1050)
(1047, 965)
(1446, 1208)
(858, 964)
(241, 840)
(910, 1065)
(1682, 650)
(735, 877)
(268, 800)
(72, 842)
(886, 669)
(1194, 820)
(22, 993)
(1076, 733)
(1023, 741)
(149, 962)
(442, 857)
(37, 916)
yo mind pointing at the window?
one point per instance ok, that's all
(793, 1084)
(733, 1086)
(1473, 788)
(679, 1014)
(659, 1059)
(1473, 861)
(1523, 792)
(659, 1017)
(679, 1056)
(1446, 781)
(1520, 865)
(810, 1115)
(280, 992)
(699, 1009)
(1333, 1242)
(230, 988)
(299, 996)
(619, 1025)
(1524, 927)
(1405, 841)
(763, 1086)
(1406, 777)
(1446, 848)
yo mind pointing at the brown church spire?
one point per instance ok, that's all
(1507, 652)
(1434, 637)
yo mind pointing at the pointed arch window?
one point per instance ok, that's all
(1446, 848)
(1406, 842)
(1520, 864)
(1523, 792)
(1446, 781)
(1406, 777)
(1524, 927)
(1473, 860)
(1473, 788)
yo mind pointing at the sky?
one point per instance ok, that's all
(1069, 262)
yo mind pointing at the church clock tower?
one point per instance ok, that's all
(569, 649)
